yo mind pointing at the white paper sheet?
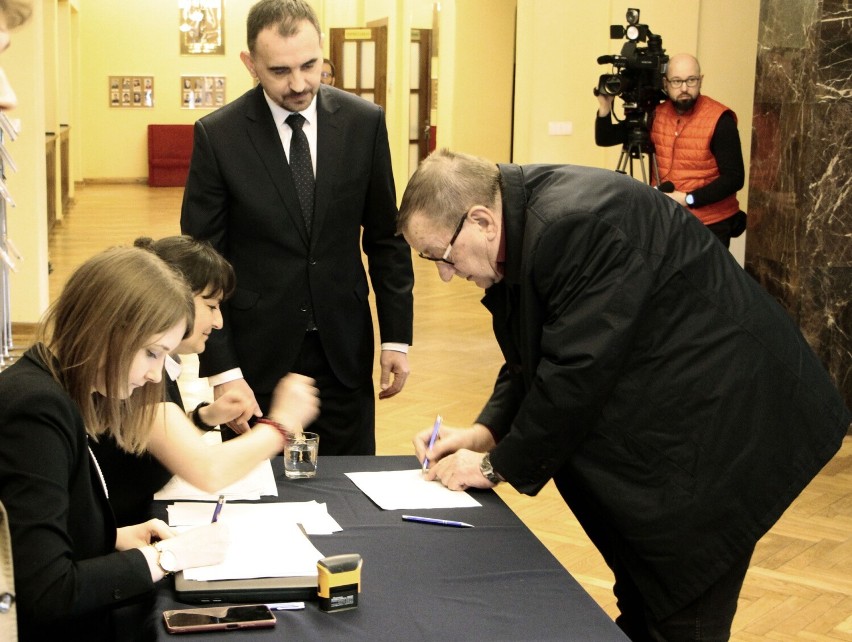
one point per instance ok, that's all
(312, 515)
(260, 481)
(263, 545)
(397, 489)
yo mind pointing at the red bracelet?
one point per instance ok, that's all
(281, 428)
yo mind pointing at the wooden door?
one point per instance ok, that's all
(360, 57)
(420, 98)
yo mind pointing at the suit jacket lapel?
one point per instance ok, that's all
(330, 155)
(263, 134)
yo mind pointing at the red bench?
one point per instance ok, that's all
(169, 151)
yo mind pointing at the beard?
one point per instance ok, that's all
(683, 105)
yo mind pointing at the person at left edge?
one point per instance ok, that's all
(301, 301)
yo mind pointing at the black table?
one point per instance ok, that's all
(422, 582)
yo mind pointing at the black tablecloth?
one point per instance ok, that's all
(422, 582)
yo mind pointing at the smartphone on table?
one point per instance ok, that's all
(219, 618)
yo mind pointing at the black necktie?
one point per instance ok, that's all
(300, 165)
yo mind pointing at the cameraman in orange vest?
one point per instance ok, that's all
(697, 147)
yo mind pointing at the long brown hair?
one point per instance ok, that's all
(108, 310)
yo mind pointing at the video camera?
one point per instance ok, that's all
(639, 79)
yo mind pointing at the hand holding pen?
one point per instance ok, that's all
(436, 428)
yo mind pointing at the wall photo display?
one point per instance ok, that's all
(202, 27)
(131, 91)
(202, 92)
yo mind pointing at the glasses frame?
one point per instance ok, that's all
(445, 258)
(680, 82)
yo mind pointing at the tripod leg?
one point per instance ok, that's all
(622, 162)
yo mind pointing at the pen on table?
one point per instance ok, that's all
(218, 509)
(437, 522)
(435, 429)
(286, 606)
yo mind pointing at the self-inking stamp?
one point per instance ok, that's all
(339, 582)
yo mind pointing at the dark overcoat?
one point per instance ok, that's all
(675, 403)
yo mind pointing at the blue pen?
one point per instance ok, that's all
(218, 509)
(432, 439)
(438, 522)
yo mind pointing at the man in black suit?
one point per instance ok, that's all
(301, 302)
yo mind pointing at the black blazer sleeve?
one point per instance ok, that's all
(67, 571)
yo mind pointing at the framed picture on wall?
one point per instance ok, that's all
(202, 92)
(131, 91)
(202, 26)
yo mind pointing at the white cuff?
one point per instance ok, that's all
(224, 377)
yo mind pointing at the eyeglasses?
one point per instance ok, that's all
(445, 258)
(679, 82)
(326, 74)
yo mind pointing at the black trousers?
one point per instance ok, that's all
(707, 618)
(729, 228)
(347, 420)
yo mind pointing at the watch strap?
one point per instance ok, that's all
(487, 470)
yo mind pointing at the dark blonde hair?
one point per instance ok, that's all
(287, 15)
(445, 185)
(109, 309)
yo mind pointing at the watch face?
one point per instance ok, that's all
(168, 561)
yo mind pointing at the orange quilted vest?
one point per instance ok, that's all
(682, 147)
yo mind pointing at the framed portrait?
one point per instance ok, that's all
(202, 26)
(131, 91)
(202, 92)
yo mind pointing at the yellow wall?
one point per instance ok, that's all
(492, 101)
(142, 39)
(476, 62)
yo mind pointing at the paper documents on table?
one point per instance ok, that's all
(312, 515)
(265, 542)
(396, 489)
(260, 481)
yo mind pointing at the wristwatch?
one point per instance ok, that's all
(487, 470)
(166, 559)
(690, 200)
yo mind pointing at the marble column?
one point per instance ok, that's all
(799, 243)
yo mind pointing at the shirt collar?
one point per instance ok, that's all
(173, 367)
(280, 114)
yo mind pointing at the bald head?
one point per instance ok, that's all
(683, 65)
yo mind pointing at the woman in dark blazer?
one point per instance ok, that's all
(96, 369)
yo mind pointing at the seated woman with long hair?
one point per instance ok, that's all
(96, 369)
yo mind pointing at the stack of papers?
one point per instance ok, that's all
(266, 540)
(313, 516)
(260, 481)
(398, 489)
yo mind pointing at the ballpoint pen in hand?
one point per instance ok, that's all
(435, 429)
(218, 509)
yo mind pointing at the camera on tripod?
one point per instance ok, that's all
(640, 70)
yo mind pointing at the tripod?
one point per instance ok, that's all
(638, 145)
